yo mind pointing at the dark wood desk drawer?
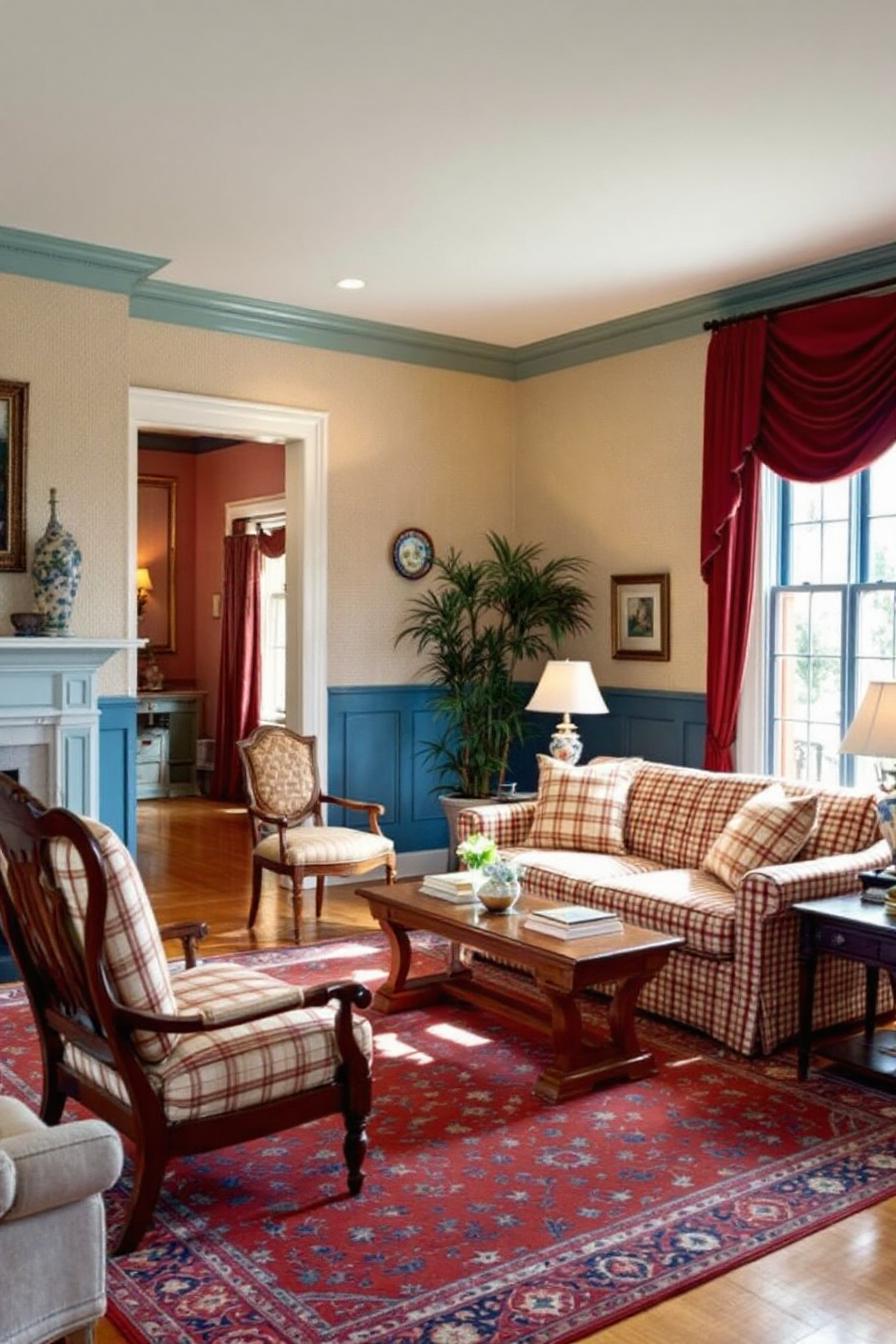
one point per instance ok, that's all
(848, 942)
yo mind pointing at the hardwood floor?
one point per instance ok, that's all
(836, 1287)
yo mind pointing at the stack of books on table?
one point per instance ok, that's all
(455, 887)
(573, 921)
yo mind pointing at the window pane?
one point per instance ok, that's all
(792, 623)
(882, 547)
(835, 498)
(805, 502)
(876, 613)
(872, 669)
(823, 688)
(835, 552)
(791, 689)
(824, 756)
(793, 750)
(882, 483)
(805, 553)
(825, 611)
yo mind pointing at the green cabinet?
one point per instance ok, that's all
(167, 730)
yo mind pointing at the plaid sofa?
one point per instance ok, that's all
(736, 976)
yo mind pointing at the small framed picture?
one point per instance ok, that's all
(640, 616)
(413, 553)
(13, 434)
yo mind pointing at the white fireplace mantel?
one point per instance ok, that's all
(49, 715)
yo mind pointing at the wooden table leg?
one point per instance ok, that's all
(398, 994)
(872, 980)
(808, 963)
(578, 1065)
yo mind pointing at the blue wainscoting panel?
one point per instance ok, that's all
(378, 736)
(118, 766)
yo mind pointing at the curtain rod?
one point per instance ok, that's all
(716, 323)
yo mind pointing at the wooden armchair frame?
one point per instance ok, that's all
(281, 823)
(72, 1001)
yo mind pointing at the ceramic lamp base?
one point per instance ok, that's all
(566, 745)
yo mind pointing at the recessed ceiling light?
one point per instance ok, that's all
(350, 283)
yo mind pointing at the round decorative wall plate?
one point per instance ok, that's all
(413, 553)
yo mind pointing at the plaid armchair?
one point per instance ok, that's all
(180, 1063)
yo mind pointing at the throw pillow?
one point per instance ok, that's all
(582, 807)
(770, 828)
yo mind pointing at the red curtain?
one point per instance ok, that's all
(728, 523)
(813, 396)
(239, 678)
(272, 544)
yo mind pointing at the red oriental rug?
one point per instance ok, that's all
(487, 1216)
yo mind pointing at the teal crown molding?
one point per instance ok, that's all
(162, 301)
(675, 321)
(43, 257)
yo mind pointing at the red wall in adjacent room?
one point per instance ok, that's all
(245, 471)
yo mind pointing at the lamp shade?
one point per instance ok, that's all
(873, 730)
(568, 688)
(144, 582)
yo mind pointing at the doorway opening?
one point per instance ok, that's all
(304, 436)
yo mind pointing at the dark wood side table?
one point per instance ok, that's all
(848, 927)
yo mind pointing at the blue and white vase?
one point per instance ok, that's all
(56, 574)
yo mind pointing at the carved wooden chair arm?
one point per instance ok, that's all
(190, 932)
(346, 993)
(374, 810)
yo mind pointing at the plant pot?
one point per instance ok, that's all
(499, 898)
(452, 806)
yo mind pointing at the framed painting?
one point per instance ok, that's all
(640, 616)
(13, 436)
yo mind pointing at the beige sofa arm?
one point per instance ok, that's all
(506, 823)
(775, 889)
(43, 1168)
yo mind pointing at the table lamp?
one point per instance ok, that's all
(567, 688)
(873, 733)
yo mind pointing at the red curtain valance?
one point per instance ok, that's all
(812, 394)
(272, 544)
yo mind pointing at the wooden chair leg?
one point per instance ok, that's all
(319, 895)
(391, 874)
(297, 878)
(149, 1171)
(256, 893)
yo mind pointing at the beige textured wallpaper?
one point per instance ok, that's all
(408, 446)
(609, 467)
(70, 344)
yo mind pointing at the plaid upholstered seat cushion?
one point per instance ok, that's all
(230, 1068)
(684, 901)
(579, 867)
(316, 845)
(135, 956)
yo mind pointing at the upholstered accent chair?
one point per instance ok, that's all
(283, 789)
(181, 1063)
(53, 1225)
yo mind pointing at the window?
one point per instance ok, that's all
(273, 639)
(832, 619)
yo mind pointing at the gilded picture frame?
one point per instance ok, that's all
(13, 441)
(157, 552)
(639, 609)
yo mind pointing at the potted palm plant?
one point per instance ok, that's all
(474, 627)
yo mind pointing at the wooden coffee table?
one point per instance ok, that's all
(560, 970)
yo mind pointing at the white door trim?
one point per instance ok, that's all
(305, 435)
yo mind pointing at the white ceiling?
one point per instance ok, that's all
(499, 169)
